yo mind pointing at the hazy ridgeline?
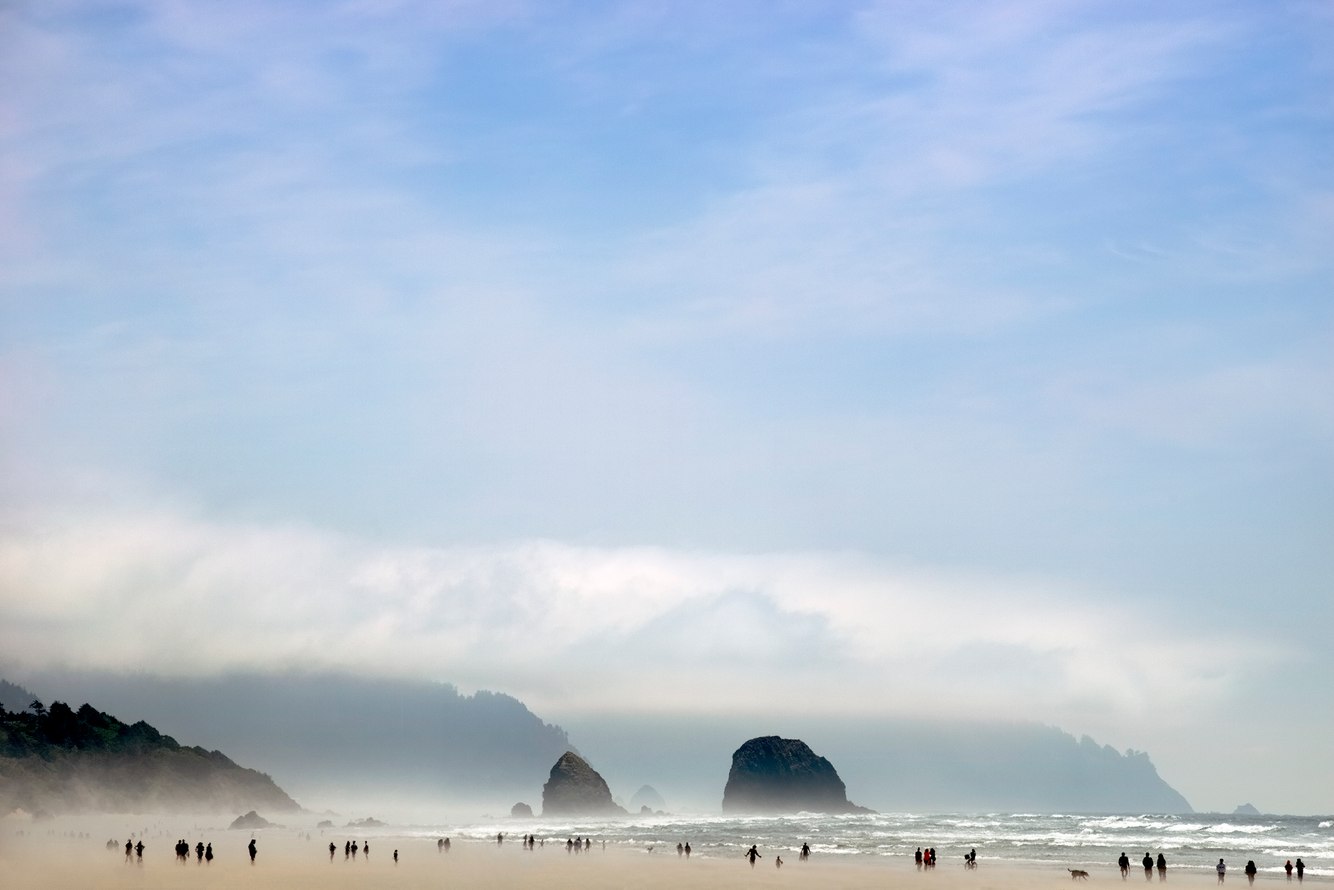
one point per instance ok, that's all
(336, 740)
(396, 747)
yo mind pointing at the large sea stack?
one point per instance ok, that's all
(576, 789)
(774, 775)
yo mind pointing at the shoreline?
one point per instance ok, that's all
(70, 853)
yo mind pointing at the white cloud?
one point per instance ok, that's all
(589, 628)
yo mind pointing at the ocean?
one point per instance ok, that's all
(1057, 841)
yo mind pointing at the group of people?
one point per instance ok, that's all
(350, 850)
(1148, 862)
(683, 849)
(927, 858)
(1251, 871)
(202, 852)
(754, 853)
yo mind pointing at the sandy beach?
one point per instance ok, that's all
(71, 855)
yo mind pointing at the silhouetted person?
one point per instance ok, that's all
(366, 849)
(1301, 869)
(1287, 867)
(1148, 866)
(1250, 871)
(919, 858)
(805, 852)
(1221, 869)
(129, 848)
(500, 838)
(687, 849)
(332, 850)
(752, 854)
(347, 850)
(253, 850)
(199, 852)
(587, 843)
(1123, 863)
(395, 857)
(679, 849)
(440, 845)
(139, 850)
(778, 862)
(208, 853)
(355, 848)
(1162, 867)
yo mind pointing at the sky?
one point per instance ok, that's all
(687, 359)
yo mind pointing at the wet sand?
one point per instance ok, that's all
(52, 856)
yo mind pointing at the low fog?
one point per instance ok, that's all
(419, 751)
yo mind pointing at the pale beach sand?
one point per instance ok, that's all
(44, 856)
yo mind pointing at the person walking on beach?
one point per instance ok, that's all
(332, 849)
(805, 852)
(199, 852)
(252, 850)
(1287, 867)
(1124, 863)
(778, 862)
(395, 857)
(687, 850)
(1301, 869)
(139, 850)
(917, 857)
(208, 854)
(752, 854)
(1250, 871)
(129, 848)
(1221, 869)
(1147, 861)
(1162, 867)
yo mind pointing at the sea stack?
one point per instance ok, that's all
(576, 789)
(775, 775)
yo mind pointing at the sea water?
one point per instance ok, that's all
(1055, 841)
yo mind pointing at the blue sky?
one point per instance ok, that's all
(849, 350)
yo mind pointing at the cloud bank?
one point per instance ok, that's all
(588, 628)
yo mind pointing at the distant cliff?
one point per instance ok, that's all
(57, 759)
(1028, 767)
(774, 775)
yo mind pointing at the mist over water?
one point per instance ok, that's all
(1094, 842)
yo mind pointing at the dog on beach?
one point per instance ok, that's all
(1078, 873)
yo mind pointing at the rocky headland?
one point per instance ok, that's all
(59, 760)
